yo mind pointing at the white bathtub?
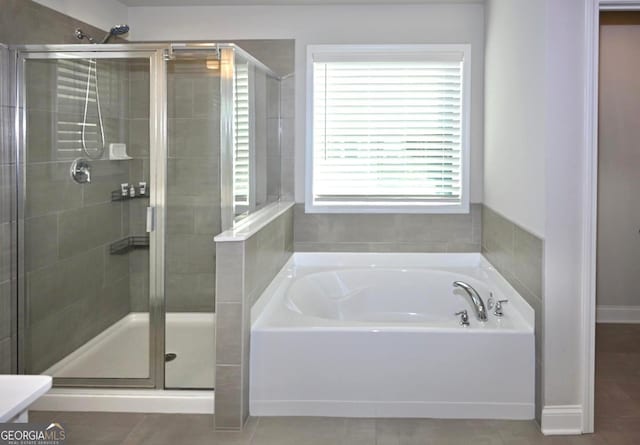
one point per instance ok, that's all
(375, 335)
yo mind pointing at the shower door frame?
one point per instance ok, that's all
(156, 214)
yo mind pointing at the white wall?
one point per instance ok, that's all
(101, 13)
(564, 159)
(534, 154)
(514, 135)
(618, 166)
(434, 23)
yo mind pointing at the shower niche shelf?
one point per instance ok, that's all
(128, 244)
(116, 195)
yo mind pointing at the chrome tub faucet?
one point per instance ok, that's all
(476, 300)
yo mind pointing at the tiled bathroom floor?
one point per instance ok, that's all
(166, 429)
(617, 418)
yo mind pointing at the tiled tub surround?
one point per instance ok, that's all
(244, 268)
(365, 232)
(518, 256)
(375, 318)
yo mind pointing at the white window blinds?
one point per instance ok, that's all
(388, 131)
(241, 139)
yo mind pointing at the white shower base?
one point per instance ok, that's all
(121, 351)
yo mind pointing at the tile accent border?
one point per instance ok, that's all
(518, 255)
(244, 268)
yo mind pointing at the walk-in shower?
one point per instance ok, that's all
(117, 274)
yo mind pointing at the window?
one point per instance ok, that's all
(388, 129)
(242, 139)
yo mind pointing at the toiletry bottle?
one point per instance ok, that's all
(132, 191)
(143, 188)
(124, 189)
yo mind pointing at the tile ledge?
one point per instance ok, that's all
(249, 226)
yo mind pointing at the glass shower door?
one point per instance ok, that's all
(91, 167)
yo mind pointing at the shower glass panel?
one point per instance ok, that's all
(224, 162)
(193, 130)
(193, 219)
(256, 136)
(87, 178)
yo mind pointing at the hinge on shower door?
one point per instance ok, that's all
(151, 219)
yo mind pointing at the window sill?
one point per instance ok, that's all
(311, 207)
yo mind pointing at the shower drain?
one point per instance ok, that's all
(170, 356)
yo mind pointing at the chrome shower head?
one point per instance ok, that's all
(116, 31)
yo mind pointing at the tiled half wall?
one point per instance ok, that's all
(243, 271)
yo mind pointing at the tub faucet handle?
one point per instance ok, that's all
(464, 318)
(490, 302)
(498, 312)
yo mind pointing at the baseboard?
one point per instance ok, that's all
(129, 401)
(438, 410)
(617, 314)
(561, 420)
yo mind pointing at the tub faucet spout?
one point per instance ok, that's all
(476, 300)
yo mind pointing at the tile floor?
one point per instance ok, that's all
(166, 429)
(617, 418)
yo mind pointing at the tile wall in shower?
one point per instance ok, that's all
(138, 146)
(74, 287)
(22, 22)
(7, 220)
(193, 185)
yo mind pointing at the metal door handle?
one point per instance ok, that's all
(151, 219)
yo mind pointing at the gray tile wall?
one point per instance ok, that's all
(137, 129)
(244, 269)
(7, 221)
(518, 256)
(21, 22)
(75, 288)
(267, 138)
(337, 232)
(193, 185)
(26, 22)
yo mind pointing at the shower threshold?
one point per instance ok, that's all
(171, 401)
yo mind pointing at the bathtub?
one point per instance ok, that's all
(375, 335)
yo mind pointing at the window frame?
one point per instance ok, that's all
(403, 50)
